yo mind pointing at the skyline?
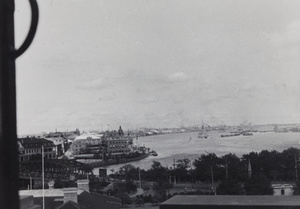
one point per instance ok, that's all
(158, 64)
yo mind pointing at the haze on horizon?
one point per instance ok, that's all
(99, 64)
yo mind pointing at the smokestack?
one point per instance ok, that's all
(83, 184)
(70, 194)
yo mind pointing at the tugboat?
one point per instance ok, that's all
(153, 153)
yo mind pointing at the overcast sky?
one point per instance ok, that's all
(167, 63)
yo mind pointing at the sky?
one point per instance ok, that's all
(101, 64)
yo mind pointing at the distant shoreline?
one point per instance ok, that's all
(95, 163)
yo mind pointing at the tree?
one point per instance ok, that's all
(158, 173)
(125, 199)
(297, 189)
(205, 164)
(157, 199)
(125, 187)
(139, 201)
(146, 188)
(162, 188)
(181, 170)
(58, 183)
(231, 166)
(229, 187)
(259, 184)
(128, 172)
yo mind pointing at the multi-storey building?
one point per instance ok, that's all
(30, 147)
(83, 141)
(117, 147)
(60, 144)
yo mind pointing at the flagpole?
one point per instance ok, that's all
(43, 177)
(140, 178)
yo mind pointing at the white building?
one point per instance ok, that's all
(282, 189)
(81, 142)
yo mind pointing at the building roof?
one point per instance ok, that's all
(69, 205)
(233, 200)
(86, 200)
(57, 140)
(281, 186)
(89, 136)
(47, 192)
(50, 202)
(94, 200)
(34, 142)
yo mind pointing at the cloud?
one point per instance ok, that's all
(289, 36)
(94, 84)
(148, 99)
(178, 77)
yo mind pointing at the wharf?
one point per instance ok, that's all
(99, 163)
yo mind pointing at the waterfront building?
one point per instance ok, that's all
(83, 142)
(30, 147)
(116, 148)
(78, 146)
(63, 134)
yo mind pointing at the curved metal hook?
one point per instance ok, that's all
(32, 30)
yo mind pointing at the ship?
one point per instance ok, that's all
(202, 134)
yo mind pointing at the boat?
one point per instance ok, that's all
(202, 134)
(247, 134)
(153, 153)
(232, 134)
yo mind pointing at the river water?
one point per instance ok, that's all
(181, 145)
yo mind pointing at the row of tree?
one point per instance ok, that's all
(251, 174)
(276, 166)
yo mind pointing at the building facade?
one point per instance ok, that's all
(282, 189)
(117, 147)
(31, 147)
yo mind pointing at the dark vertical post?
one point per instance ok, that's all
(8, 139)
(226, 168)
(296, 168)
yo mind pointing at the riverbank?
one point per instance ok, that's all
(179, 146)
(99, 163)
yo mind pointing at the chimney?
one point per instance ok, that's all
(51, 184)
(70, 194)
(83, 184)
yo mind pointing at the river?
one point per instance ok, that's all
(181, 145)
